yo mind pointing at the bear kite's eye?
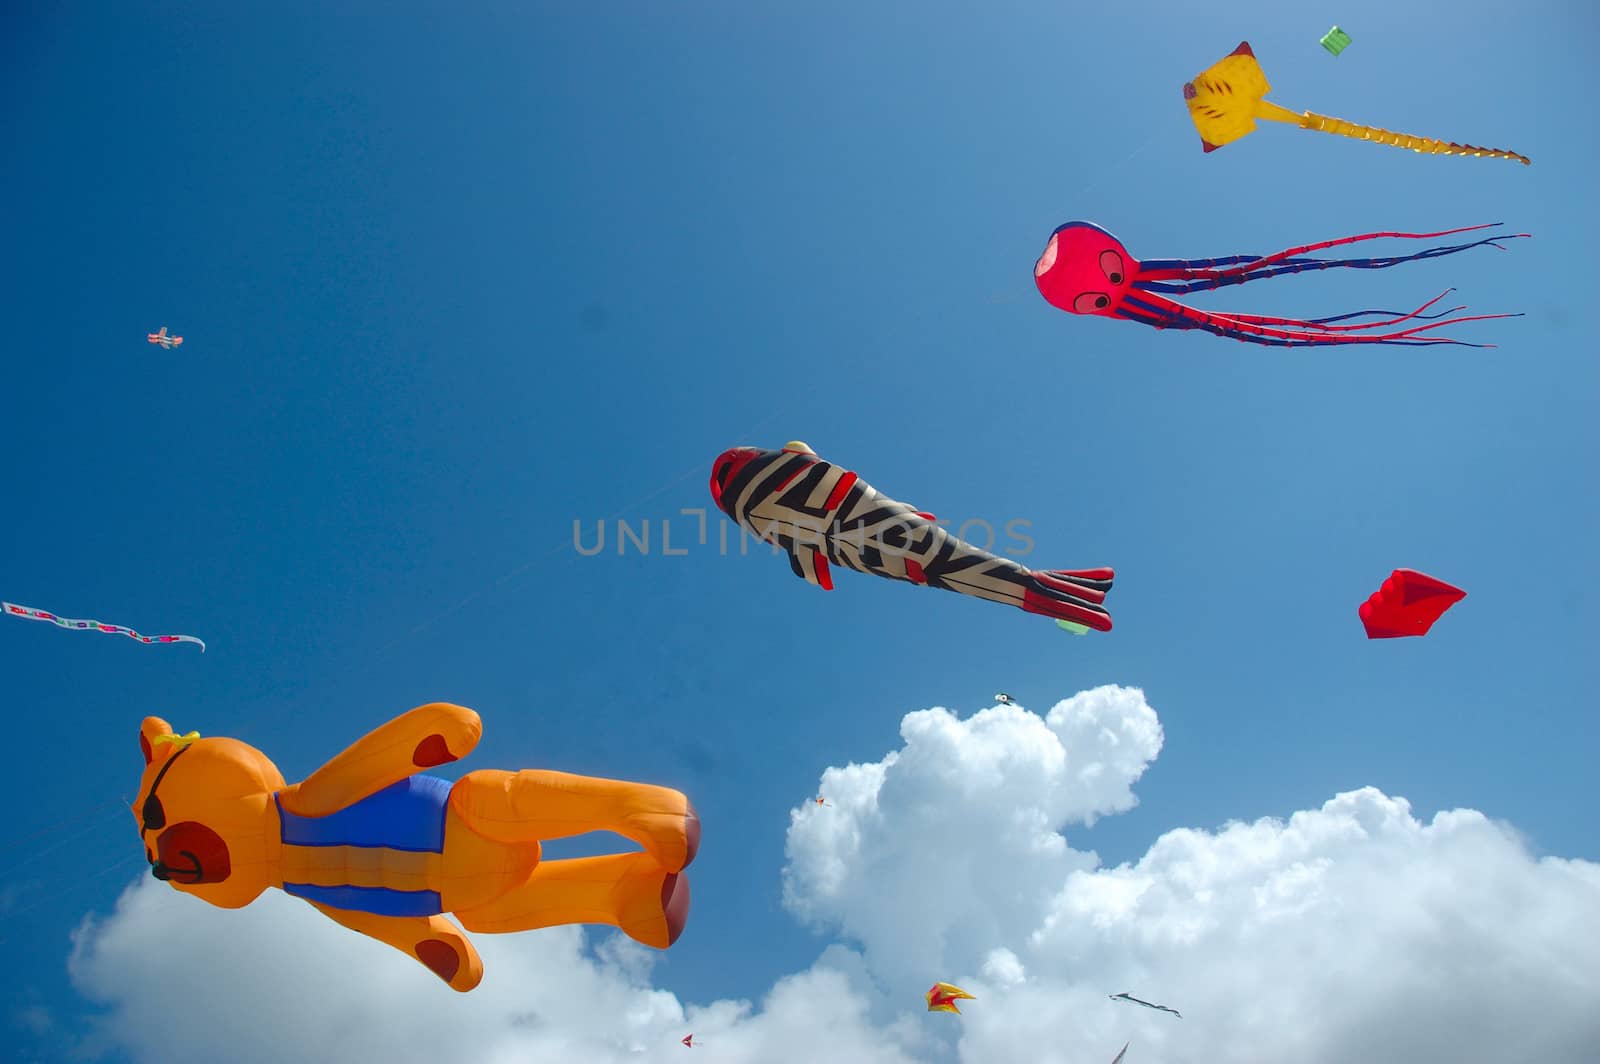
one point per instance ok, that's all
(155, 818)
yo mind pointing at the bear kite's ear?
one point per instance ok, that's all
(151, 729)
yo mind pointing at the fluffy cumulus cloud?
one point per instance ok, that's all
(1352, 932)
(952, 846)
(285, 983)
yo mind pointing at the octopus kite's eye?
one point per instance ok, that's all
(1111, 266)
(1090, 303)
(1102, 301)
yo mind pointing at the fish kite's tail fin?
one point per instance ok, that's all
(1426, 145)
(1094, 579)
(1074, 596)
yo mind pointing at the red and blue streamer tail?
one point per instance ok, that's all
(1163, 313)
(1199, 275)
(1204, 274)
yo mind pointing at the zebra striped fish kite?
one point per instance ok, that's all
(32, 614)
(821, 513)
(1133, 1000)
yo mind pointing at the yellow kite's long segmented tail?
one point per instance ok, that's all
(1425, 145)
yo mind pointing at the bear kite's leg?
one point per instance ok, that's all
(626, 890)
(433, 941)
(535, 804)
(430, 735)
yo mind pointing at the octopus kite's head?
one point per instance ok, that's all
(725, 468)
(206, 814)
(1084, 270)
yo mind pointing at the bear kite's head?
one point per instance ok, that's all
(206, 814)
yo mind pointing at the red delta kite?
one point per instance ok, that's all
(1407, 604)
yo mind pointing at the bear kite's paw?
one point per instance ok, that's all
(673, 839)
(653, 907)
(451, 958)
(432, 751)
(675, 904)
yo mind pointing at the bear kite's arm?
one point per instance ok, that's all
(430, 735)
(433, 941)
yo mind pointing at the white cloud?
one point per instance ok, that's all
(951, 846)
(1353, 932)
(278, 981)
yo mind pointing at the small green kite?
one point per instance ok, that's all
(1336, 40)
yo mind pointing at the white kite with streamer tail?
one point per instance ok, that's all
(32, 614)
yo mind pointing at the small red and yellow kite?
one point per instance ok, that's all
(942, 997)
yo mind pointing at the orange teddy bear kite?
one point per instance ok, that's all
(386, 851)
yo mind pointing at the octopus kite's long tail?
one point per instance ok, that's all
(1339, 127)
(1324, 325)
(1198, 275)
(1296, 332)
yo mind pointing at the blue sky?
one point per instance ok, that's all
(450, 282)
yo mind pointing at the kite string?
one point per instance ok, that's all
(697, 467)
(58, 825)
(1105, 174)
(33, 854)
(525, 566)
(1109, 172)
(106, 870)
